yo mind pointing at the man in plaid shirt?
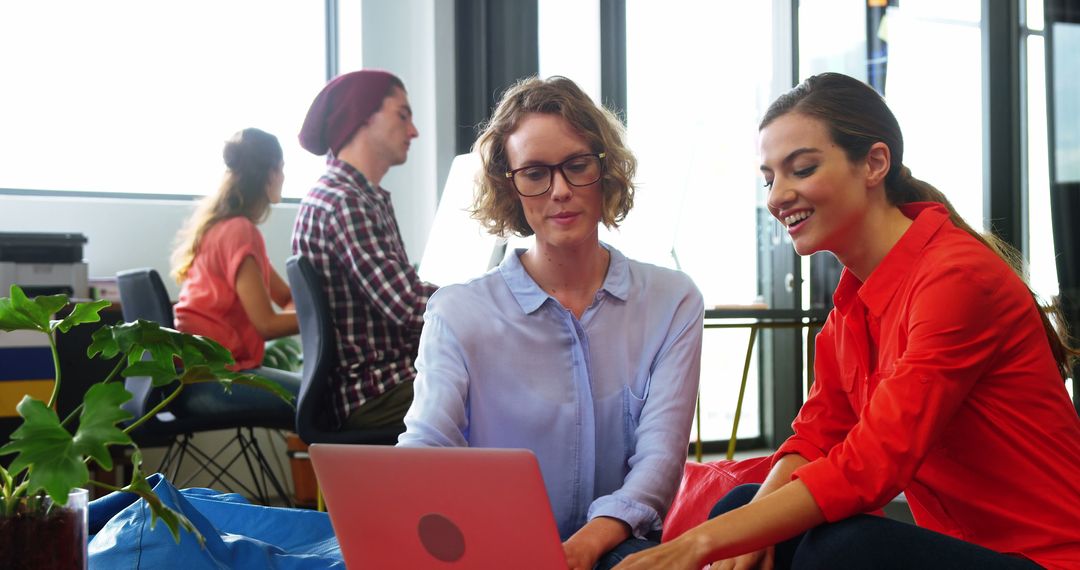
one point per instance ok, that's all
(347, 228)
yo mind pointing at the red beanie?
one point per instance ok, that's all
(342, 107)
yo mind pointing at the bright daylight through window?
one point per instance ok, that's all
(140, 96)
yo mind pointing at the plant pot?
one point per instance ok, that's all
(44, 536)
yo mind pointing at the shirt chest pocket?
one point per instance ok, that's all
(632, 406)
(859, 385)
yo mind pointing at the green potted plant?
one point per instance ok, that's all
(52, 453)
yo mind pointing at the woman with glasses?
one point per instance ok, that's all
(568, 348)
(937, 374)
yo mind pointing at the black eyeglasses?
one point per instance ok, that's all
(578, 170)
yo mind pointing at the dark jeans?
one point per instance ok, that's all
(244, 405)
(622, 550)
(867, 541)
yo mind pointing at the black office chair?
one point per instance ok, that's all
(202, 407)
(314, 421)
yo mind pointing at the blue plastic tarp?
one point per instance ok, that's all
(238, 534)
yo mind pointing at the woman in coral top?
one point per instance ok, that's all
(936, 374)
(228, 286)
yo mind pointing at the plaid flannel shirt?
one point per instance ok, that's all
(347, 228)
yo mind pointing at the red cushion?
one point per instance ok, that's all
(703, 484)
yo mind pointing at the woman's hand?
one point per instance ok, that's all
(752, 529)
(677, 556)
(674, 555)
(588, 544)
(760, 560)
(579, 556)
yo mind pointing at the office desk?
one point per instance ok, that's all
(756, 317)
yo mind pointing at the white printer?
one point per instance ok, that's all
(43, 264)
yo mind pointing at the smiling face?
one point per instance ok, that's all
(565, 216)
(815, 191)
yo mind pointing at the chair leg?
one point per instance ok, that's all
(219, 472)
(267, 472)
(263, 476)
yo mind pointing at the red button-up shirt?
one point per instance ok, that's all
(935, 377)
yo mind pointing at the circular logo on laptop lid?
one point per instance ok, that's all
(441, 537)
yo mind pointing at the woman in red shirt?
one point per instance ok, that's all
(228, 286)
(936, 374)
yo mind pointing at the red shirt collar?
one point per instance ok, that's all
(927, 218)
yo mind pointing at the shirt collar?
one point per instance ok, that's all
(342, 172)
(531, 297)
(879, 288)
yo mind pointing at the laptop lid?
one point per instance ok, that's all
(412, 508)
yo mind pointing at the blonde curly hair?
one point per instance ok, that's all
(496, 204)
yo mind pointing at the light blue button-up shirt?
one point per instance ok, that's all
(605, 402)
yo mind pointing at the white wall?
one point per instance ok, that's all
(125, 233)
(414, 39)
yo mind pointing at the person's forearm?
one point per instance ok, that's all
(600, 535)
(766, 521)
(279, 325)
(780, 474)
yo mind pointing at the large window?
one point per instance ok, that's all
(1043, 268)
(568, 37)
(692, 113)
(139, 97)
(694, 94)
(938, 106)
(934, 87)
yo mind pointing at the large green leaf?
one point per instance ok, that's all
(98, 422)
(283, 354)
(12, 319)
(225, 377)
(21, 313)
(128, 337)
(266, 384)
(204, 350)
(7, 479)
(173, 519)
(134, 341)
(103, 343)
(162, 343)
(204, 373)
(47, 449)
(83, 313)
(56, 459)
(160, 375)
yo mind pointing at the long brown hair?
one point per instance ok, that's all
(857, 117)
(251, 156)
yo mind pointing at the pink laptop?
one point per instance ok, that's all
(448, 508)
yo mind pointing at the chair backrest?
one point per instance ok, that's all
(143, 296)
(317, 339)
(317, 335)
